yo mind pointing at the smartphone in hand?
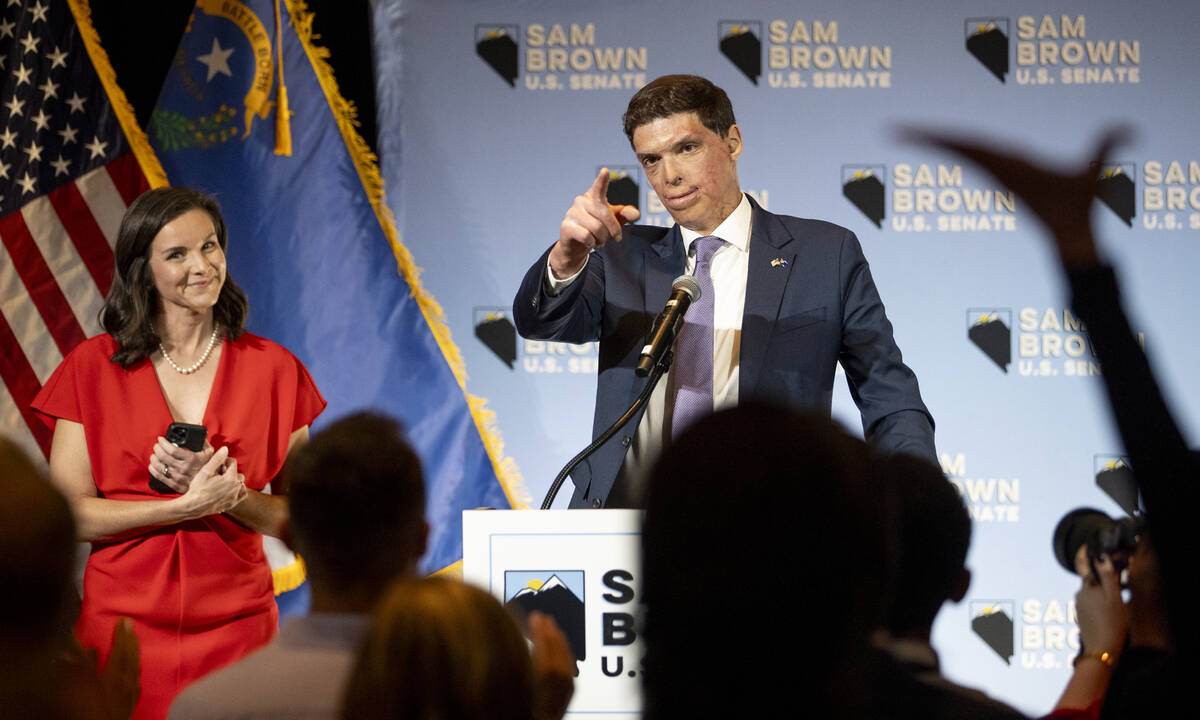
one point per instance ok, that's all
(181, 435)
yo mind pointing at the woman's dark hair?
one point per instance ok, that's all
(132, 303)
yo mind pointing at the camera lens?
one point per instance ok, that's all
(1074, 530)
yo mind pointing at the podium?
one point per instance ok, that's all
(583, 568)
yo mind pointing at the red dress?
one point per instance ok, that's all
(200, 592)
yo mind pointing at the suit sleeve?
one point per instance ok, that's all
(885, 389)
(573, 316)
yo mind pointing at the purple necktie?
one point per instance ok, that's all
(692, 384)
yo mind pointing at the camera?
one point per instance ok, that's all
(1103, 535)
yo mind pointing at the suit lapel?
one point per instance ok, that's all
(772, 260)
(663, 262)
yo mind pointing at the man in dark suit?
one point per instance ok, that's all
(788, 298)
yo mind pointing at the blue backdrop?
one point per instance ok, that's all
(495, 115)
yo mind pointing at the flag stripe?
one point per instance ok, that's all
(64, 261)
(59, 225)
(32, 335)
(13, 426)
(105, 200)
(39, 282)
(23, 384)
(124, 176)
(91, 245)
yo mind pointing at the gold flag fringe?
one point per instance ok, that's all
(283, 123)
(453, 570)
(365, 162)
(134, 135)
(289, 577)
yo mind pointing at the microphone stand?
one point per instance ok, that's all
(656, 374)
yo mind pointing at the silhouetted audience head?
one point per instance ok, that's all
(37, 595)
(37, 556)
(439, 649)
(935, 534)
(765, 566)
(357, 504)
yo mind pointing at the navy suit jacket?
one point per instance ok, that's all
(810, 303)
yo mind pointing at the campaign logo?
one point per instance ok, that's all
(990, 330)
(495, 330)
(1117, 189)
(992, 622)
(557, 593)
(1052, 341)
(1171, 194)
(814, 54)
(863, 186)
(1059, 49)
(936, 197)
(987, 41)
(1049, 633)
(556, 56)
(988, 498)
(497, 46)
(1115, 478)
(740, 41)
(623, 186)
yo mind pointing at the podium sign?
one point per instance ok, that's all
(583, 568)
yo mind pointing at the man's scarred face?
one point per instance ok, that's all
(692, 169)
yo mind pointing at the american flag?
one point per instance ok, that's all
(67, 173)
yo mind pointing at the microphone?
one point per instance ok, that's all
(684, 291)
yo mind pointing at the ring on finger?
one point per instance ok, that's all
(166, 472)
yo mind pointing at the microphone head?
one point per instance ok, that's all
(688, 284)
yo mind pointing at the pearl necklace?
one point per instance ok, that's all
(212, 342)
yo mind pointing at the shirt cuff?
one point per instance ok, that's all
(553, 286)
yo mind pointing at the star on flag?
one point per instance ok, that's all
(67, 174)
(76, 103)
(96, 148)
(217, 61)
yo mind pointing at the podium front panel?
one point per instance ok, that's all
(582, 567)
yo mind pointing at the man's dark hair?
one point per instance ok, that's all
(673, 94)
(357, 503)
(132, 303)
(935, 534)
(765, 566)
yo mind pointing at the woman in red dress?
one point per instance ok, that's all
(184, 562)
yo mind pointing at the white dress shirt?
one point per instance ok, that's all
(729, 269)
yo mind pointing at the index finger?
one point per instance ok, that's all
(599, 188)
(1107, 574)
(1083, 564)
(170, 449)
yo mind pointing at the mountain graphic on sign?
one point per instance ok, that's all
(554, 599)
